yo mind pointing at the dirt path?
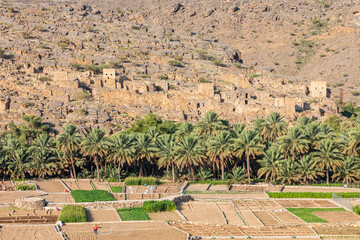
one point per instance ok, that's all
(29, 233)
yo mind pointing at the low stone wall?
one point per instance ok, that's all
(30, 203)
(124, 203)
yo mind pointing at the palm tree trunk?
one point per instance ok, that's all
(71, 171)
(193, 173)
(73, 164)
(173, 171)
(327, 176)
(248, 166)
(97, 168)
(222, 169)
(118, 170)
(293, 156)
(141, 168)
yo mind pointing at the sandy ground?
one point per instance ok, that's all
(128, 231)
(318, 189)
(231, 196)
(305, 203)
(24, 232)
(337, 230)
(202, 212)
(267, 218)
(9, 197)
(84, 185)
(101, 215)
(197, 187)
(288, 218)
(338, 217)
(231, 215)
(168, 188)
(71, 184)
(218, 188)
(50, 186)
(101, 185)
(164, 216)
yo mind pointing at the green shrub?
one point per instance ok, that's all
(140, 181)
(91, 195)
(25, 187)
(44, 79)
(312, 195)
(356, 209)
(174, 63)
(254, 75)
(73, 213)
(132, 214)
(159, 206)
(97, 69)
(117, 189)
(85, 96)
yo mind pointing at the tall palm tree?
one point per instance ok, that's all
(307, 170)
(210, 125)
(328, 157)
(121, 150)
(144, 148)
(349, 171)
(189, 153)
(258, 124)
(313, 133)
(274, 127)
(304, 121)
(185, 130)
(19, 164)
(68, 142)
(353, 142)
(165, 149)
(44, 156)
(153, 133)
(288, 173)
(271, 164)
(95, 145)
(219, 148)
(293, 143)
(237, 130)
(249, 143)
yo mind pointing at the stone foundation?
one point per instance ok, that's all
(30, 203)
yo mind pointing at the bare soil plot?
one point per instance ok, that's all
(139, 189)
(59, 198)
(206, 230)
(232, 216)
(101, 185)
(40, 232)
(218, 188)
(72, 184)
(84, 184)
(202, 212)
(197, 187)
(250, 219)
(9, 197)
(253, 204)
(268, 204)
(231, 196)
(101, 215)
(302, 203)
(267, 218)
(119, 196)
(337, 230)
(116, 184)
(28, 217)
(254, 188)
(164, 216)
(340, 237)
(338, 217)
(168, 188)
(54, 186)
(288, 218)
(128, 231)
(318, 189)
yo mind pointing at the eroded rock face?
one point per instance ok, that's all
(30, 203)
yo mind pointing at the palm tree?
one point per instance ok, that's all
(349, 171)
(19, 164)
(353, 143)
(274, 127)
(189, 153)
(144, 148)
(271, 164)
(237, 130)
(210, 125)
(288, 173)
(165, 149)
(185, 130)
(328, 156)
(304, 121)
(95, 145)
(121, 150)
(258, 124)
(153, 133)
(313, 133)
(293, 143)
(44, 156)
(249, 143)
(220, 149)
(307, 170)
(204, 174)
(68, 142)
(238, 175)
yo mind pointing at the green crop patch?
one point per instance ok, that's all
(307, 215)
(72, 213)
(132, 214)
(91, 195)
(117, 189)
(159, 206)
